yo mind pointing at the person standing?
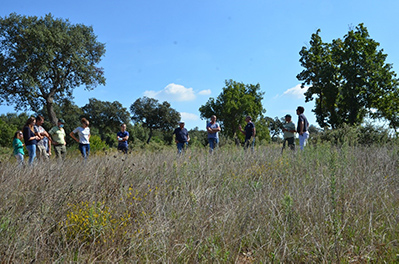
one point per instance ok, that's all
(43, 144)
(123, 137)
(302, 127)
(181, 137)
(84, 137)
(213, 129)
(58, 135)
(289, 133)
(18, 147)
(30, 138)
(249, 132)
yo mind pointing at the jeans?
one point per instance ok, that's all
(248, 142)
(291, 143)
(303, 139)
(32, 153)
(84, 149)
(20, 159)
(213, 143)
(180, 146)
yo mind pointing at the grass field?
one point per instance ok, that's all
(325, 205)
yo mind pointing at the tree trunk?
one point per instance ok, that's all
(149, 136)
(50, 111)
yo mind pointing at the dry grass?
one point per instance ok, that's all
(325, 205)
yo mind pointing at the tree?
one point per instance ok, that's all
(153, 115)
(234, 103)
(349, 79)
(107, 117)
(275, 126)
(43, 59)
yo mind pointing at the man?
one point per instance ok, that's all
(249, 132)
(181, 137)
(122, 137)
(58, 138)
(44, 143)
(289, 133)
(213, 129)
(302, 127)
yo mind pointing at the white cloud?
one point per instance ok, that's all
(172, 93)
(205, 92)
(296, 92)
(188, 117)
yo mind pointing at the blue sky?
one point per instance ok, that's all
(183, 51)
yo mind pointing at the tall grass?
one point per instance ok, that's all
(325, 204)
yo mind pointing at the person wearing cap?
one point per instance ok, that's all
(58, 135)
(181, 137)
(302, 127)
(213, 129)
(249, 132)
(289, 133)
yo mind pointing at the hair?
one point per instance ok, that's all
(39, 117)
(300, 109)
(250, 118)
(123, 124)
(85, 121)
(17, 133)
(30, 121)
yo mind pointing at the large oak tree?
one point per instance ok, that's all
(43, 59)
(349, 79)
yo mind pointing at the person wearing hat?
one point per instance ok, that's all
(58, 135)
(181, 137)
(289, 133)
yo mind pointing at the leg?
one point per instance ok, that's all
(32, 153)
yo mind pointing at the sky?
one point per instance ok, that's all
(182, 51)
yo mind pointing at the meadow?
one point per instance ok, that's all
(324, 205)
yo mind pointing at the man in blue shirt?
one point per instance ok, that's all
(181, 137)
(122, 137)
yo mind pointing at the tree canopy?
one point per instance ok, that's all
(43, 59)
(234, 103)
(349, 79)
(153, 115)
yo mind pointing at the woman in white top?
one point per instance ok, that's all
(84, 137)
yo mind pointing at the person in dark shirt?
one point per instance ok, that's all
(181, 137)
(30, 138)
(302, 127)
(249, 132)
(123, 137)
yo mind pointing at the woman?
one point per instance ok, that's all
(84, 137)
(30, 138)
(18, 147)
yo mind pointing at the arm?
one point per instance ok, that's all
(240, 128)
(73, 136)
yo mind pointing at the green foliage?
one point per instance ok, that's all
(9, 124)
(198, 138)
(235, 102)
(96, 144)
(43, 59)
(275, 126)
(349, 79)
(153, 115)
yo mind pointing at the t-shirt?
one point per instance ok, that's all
(213, 135)
(27, 135)
(302, 118)
(181, 134)
(249, 130)
(39, 130)
(290, 127)
(58, 135)
(83, 133)
(18, 146)
(121, 134)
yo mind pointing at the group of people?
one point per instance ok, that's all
(182, 138)
(38, 141)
